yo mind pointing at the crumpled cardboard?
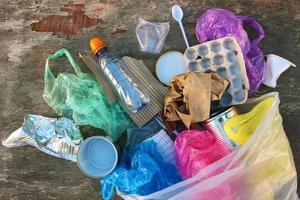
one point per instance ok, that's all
(190, 96)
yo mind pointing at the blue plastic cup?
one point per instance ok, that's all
(97, 156)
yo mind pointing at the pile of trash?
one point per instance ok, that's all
(192, 132)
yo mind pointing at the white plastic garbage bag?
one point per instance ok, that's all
(263, 168)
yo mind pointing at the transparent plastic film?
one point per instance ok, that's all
(263, 168)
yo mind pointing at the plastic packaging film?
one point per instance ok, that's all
(57, 137)
(197, 149)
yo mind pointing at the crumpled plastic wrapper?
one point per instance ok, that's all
(144, 168)
(57, 137)
(137, 135)
(189, 98)
(197, 149)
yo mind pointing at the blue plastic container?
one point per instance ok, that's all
(97, 156)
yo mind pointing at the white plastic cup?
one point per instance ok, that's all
(97, 156)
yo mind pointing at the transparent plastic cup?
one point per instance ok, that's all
(151, 36)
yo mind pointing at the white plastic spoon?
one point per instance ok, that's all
(177, 15)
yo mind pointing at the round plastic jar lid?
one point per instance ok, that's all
(170, 64)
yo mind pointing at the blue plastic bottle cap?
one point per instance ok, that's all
(97, 156)
(169, 65)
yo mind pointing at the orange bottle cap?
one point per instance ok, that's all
(96, 44)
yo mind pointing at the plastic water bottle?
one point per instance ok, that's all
(129, 90)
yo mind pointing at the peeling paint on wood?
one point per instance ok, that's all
(70, 24)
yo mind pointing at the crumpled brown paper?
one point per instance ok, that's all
(190, 96)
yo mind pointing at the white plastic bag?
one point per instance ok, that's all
(263, 168)
(275, 66)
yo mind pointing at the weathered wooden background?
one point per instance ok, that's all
(30, 30)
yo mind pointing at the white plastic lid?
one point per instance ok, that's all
(170, 64)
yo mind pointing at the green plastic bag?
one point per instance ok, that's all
(81, 98)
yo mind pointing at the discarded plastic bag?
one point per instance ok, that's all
(142, 170)
(275, 66)
(151, 36)
(261, 169)
(137, 135)
(80, 98)
(217, 23)
(57, 137)
(197, 149)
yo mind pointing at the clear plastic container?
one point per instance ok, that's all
(151, 36)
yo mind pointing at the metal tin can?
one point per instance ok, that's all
(216, 125)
